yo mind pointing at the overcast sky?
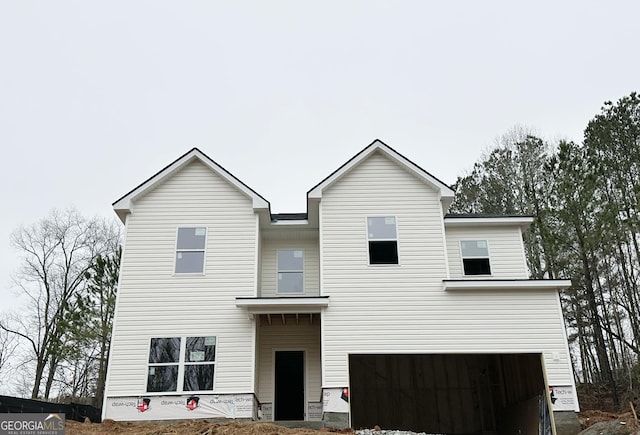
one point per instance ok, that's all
(95, 97)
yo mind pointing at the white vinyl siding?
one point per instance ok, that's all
(301, 335)
(153, 301)
(404, 309)
(505, 251)
(269, 282)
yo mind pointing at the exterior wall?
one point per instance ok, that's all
(269, 262)
(154, 302)
(403, 308)
(506, 253)
(303, 335)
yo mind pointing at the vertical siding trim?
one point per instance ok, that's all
(444, 243)
(256, 257)
(568, 355)
(528, 272)
(254, 337)
(321, 278)
(107, 379)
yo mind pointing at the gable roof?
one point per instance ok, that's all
(122, 206)
(445, 192)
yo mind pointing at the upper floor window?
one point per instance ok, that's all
(177, 364)
(475, 257)
(190, 249)
(383, 240)
(290, 271)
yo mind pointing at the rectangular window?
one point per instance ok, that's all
(290, 271)
(181, 364)
(475, 257)
(164, 359)
(383, 240)
(190, 249)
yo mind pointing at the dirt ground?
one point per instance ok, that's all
(203, 427)
(192, 427)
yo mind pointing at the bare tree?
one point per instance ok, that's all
(8, 346)
(56, 253)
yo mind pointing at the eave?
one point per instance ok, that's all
(505, 284)
(469, 221)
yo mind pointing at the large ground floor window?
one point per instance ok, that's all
(181, 364)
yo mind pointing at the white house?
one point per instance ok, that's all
(373, 307)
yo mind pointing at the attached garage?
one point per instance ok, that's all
(449, 393)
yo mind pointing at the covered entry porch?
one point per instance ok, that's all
(288, 361)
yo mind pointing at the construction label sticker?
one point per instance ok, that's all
(177, 407)
(562, 398)
(32, 424)
(335, 400)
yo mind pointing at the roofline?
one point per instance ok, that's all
(372, 147)
(123, 204)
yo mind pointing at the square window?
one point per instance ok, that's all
(201, 349)
(382, 239)
(190, 248)
(162, 378)
(198, 377)
(475, 257)
(290, 271)
(164, 350)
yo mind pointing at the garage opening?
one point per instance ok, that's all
(452, 394)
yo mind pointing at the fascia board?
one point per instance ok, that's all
(523, 221)
(507, 284)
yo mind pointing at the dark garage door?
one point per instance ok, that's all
(453, 394)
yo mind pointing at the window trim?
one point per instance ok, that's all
(203, 250)
(472, 257)
(397, 239)
(181, 363)
(278, 271)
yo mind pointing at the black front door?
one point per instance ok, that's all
(289, 385)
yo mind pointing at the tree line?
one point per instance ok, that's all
(57, 345)
(585, 199)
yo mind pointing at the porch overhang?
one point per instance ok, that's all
(506, 284)
(283, 305)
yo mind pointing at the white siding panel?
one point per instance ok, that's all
(505, 251)
(403, 308)
(270, 264)
(154, 302)
(290, 336)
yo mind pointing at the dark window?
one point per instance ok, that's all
(383, 243)
(168, 360)
(164, 358)
(162, 378)
(383, 252)
(475, 257)
(476, 266)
